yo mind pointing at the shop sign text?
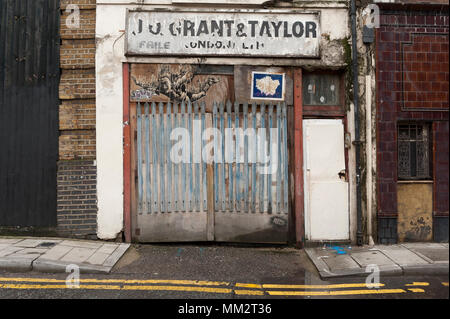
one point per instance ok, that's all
(226, 34)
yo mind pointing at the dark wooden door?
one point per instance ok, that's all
(29, 77)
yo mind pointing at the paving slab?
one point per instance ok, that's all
(371, 257)
(98, 258)
(341, 262)
(32, 243)
(89, 260)
(31, 253)
(9, 250)
(375, 257)
(402, 256)
(54, 255)
(434, 253)
(56, 252)
(327, 264)
(9, 241)
(78, 255)
(82, 244)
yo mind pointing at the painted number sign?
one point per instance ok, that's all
(223, 33)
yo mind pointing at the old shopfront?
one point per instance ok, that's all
(223, 124)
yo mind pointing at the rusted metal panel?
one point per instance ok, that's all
(234, 33)
(171, 194)
(252, 191)
(200, 201)
(29, 76)
(415, 211)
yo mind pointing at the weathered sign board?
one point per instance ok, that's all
(223, 34)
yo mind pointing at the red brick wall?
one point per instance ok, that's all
(425, 72)
(412, 84)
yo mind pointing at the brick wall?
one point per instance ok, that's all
(412, 84)
(441, 163)
(77, 201)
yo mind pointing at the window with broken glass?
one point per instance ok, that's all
(414, 152)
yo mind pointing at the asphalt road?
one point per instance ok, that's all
(216, 272)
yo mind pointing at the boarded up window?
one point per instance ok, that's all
(414, 151)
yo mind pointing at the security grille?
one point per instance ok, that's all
(414, 151)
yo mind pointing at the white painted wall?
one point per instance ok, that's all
(110, 27)
(109, 95)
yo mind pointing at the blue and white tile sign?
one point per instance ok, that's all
(268, 86)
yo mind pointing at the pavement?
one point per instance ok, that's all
(216, 271)
(402, 259)
(54, 255)
(21, 254)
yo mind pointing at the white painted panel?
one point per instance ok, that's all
(326, 149)
(329, 211)
(326, 195)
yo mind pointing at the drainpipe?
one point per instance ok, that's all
(356, 142)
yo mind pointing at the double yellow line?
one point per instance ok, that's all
(200, 286)
(126, 284)
(323, 290)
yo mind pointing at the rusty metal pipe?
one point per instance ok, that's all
(356, 142)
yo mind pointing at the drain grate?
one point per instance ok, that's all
(46, 244)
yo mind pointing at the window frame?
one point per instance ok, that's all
(337, 110)
(429, 144)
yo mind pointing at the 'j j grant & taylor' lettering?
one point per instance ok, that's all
(226, 28)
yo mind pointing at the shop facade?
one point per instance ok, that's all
(224, 123)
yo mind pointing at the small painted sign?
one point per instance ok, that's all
(231, 33)
(268, 86)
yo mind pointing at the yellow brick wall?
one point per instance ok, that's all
(77, 84)
(77, 114)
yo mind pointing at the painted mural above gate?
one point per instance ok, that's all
(177, 83)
